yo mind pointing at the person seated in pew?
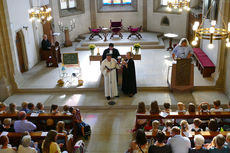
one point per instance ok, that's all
(199, 142)
(40, 108)
(167, 108)
(54, 109)
(195, 127)
(204, 107)
(191, 109)
(159, 146)
(22, 124)
(49, 145)
(228, 140)
(184, 128)
(220, 147)
(179, 144)
(24, 107)
(25, 147)
(2, 108)
(140, 144)
(227, 120)
(154, 108)
(12, 109)
(5, 147)
(180, 109)
(7, 126)
(46, 45)
(141, 110)
(217, 107)
(168, 126)
(155, 127)
(183, 50)
(66, 110)
(60, 128)
(31, 108)
(212, 125)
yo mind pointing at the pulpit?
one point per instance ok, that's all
(182, 75)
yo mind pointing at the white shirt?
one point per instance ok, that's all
(216, 110)
(22, 149)
(179, 144)
(182, 52)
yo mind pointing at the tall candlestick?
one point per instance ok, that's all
(98, 53)
(131, 49)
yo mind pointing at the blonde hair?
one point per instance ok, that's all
(180, 105)
(24, 105)
(60, 126)
(7, 121)
(155, 124)
(184, 125)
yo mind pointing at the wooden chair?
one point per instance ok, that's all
(135, 32)
(95, 32)
(116, 28)
(44, 54)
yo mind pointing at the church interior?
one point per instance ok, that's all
(68, 73)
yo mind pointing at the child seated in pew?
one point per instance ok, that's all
(54, 109)
(155, 127)
(191, 109)
(40, 108)
(217, 107)
(12, 109)
(31, 108)
(168, 126)
(25, 107)
(60, 128)
(154, 108)
(7, 125)
(167, 108)
(212, 125)
(66, 110)
(204, 107)
(5, 147)
(195, 127)
(184, 128)
(180, 109)
(2, 108)
(141, 110)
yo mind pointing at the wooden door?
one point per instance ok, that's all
(20, 53)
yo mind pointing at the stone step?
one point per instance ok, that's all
(121, 43)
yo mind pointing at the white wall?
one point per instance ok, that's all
(83, 21)
(128, 18)
(178, 22)
(19, 17)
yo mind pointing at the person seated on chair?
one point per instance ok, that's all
(182, 50)
(111, 50)
(46, 45)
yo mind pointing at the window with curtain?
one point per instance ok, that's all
(68, 4)
(117, 2)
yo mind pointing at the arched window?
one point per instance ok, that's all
(165, 21)
(68, 4)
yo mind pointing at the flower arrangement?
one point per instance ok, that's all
(136, 46)
(92, 46)
(60, 83)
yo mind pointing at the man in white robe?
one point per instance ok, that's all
(108, 69)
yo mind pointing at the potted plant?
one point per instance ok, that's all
(136, 47)
(92, 47)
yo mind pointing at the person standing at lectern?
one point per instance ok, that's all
(111, 50)
(183, 50)
(46, 45)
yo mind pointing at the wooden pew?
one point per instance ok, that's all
(176, 115)
(205, 134)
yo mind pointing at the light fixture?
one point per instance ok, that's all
(211, 33)
(40, 14)
(178, 4)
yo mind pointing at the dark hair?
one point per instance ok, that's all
(65, 107)
(191, 108)
(140, 137)
(39, 105)
(213, 125)
(229, 103)
(220, 140)
(204, 107)
(169, 123)
(53, 107)
(111, 45)
(12, 108)
(217, 103)
(30, 106)
(3, 139)
(160, 137)
(197, 122)
(167, 105)
(154, 108)
(141, 107)
(49, 138)
(71, 109)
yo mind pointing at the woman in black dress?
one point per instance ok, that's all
(129, 76)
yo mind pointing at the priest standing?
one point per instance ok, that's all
(129, 76)
(108, 69)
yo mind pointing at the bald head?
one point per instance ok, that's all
(22, 115)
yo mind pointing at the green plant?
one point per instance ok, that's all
(92, 46)
(137, 45)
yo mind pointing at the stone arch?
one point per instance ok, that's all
(165, 21)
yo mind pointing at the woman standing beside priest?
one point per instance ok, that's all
(129, 76)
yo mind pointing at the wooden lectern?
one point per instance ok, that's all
(182, 75)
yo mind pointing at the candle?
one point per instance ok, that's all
(73, 20)
(98, 53)
(59, 22)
